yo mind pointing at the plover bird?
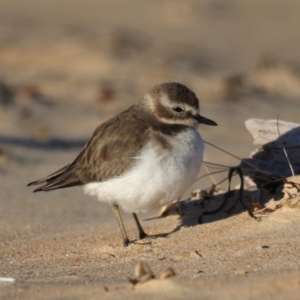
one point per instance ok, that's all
(145, 157)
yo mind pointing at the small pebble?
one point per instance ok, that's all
(167, 273)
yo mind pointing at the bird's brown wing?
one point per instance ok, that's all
(110, 152)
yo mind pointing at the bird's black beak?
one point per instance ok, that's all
(206, 121)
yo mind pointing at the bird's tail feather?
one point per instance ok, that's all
(62, 178)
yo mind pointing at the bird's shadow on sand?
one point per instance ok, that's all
(201, 211)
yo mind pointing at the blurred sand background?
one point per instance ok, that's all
(68, 65)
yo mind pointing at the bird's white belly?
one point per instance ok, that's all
(157, 178)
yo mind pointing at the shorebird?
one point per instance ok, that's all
(145, 157)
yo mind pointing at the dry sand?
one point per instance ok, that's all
(66, 66)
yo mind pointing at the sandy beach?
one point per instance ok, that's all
(65, 67)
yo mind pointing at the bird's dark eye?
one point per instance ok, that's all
(178, 109)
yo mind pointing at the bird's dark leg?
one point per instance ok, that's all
(142, 233)
(116, 211)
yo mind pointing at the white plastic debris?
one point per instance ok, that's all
(8, 279)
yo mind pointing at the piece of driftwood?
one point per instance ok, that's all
(277, 142)
(274, 167)
(267, 131)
